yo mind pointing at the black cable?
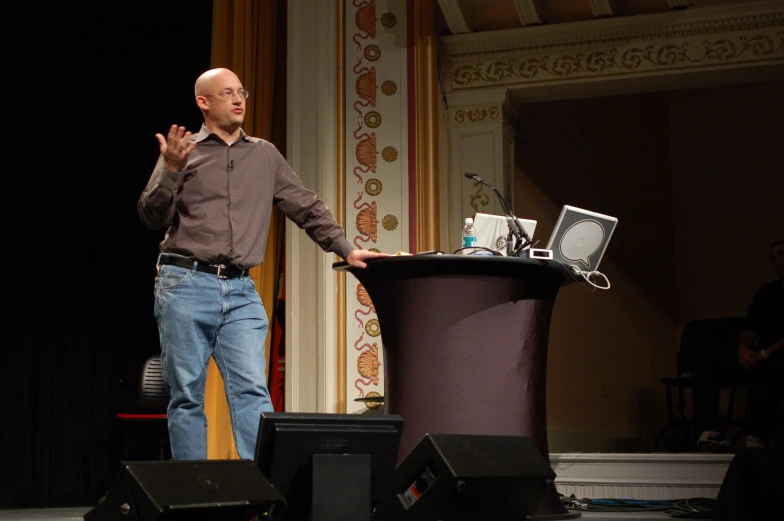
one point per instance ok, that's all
(696, 508)
(692, 508)
(512, 222)
(441, 82)
(579, 280)
(476, 248)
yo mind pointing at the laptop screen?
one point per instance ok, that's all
(492, 231)
(580, 237)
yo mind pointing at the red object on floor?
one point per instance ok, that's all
(277, 373)
(123, 416)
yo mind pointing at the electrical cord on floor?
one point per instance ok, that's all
(693, 508)
(696, 508)
(616, 505)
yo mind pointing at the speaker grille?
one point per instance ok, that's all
(152, 393)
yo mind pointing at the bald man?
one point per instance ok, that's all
(213, 194)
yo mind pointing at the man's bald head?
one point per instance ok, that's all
(221, 99)
(208, 81)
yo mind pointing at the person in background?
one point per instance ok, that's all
(760, 353)
(760, 357)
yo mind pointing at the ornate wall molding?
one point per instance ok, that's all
(481, 140)
(618, 30)
(717, 38)
(376, 173)
(477, 115)
(474, 196)
(618, 59)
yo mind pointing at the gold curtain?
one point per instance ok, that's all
(248, 37)
(426, 123)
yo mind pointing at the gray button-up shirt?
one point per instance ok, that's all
(217, 210)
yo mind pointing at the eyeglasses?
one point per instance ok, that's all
(228, 94)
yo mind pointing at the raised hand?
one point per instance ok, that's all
(175, 148)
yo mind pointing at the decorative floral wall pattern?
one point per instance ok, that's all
(477, 115)
(365, 153)
(365, 86)
(367, 364)
(366, 221)
(650, 56)
(365, 20)
(376, 170)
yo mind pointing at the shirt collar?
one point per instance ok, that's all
(205, 133)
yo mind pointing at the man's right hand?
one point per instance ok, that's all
(175, 148)
(747, 357)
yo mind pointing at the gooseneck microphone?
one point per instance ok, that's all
(515, 227)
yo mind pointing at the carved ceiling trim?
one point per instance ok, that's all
(670, 24)
(477, 114)
(713, 42)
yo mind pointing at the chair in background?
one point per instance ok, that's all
(710, 341)
(145, 433)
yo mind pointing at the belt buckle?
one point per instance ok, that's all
(220, 268)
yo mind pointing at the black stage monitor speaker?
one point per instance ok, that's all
(753, 485)
(454, 477)
(329, 467)
(216, 490)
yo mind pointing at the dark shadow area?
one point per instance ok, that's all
(609, 155)
(98, 82)
(692, 175)
(642, 400)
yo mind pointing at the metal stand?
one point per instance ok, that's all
(552, 509)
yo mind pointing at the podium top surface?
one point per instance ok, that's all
(427, 264)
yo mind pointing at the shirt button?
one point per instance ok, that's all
(234, 193)
(232, 218)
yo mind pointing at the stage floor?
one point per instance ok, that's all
(76, 513)
(44, 514)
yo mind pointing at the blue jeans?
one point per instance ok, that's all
(199, 316)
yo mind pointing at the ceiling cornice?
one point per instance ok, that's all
(708, 20)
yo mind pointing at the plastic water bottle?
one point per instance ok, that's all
(469, 233)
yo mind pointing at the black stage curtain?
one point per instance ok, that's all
(90, 85)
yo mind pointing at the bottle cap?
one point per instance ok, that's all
(469, 220)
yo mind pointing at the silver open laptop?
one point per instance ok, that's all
(580, 237)
(492, 231)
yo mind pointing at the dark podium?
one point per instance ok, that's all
(465, 346)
